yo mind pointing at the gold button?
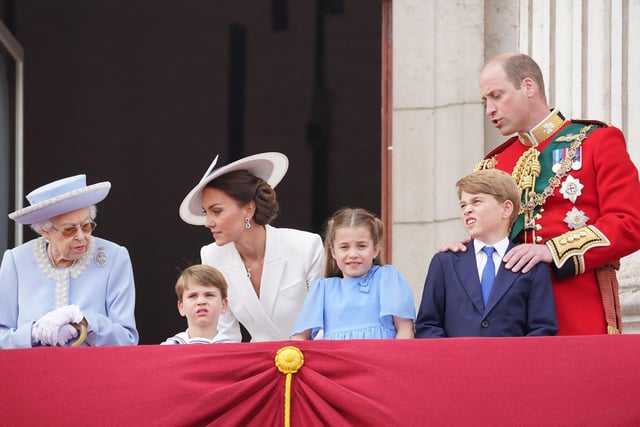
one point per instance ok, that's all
(538, 239)
(538, 227)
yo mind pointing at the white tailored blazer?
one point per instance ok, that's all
(293, 259)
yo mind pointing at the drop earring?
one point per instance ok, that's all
(247, 223)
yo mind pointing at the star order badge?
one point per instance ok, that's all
(576, 218)
(571, 188)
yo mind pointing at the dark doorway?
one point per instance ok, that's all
(145, 93)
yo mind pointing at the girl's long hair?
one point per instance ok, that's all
(352, 217)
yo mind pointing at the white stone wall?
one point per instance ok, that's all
(589, 53)
(437, 124)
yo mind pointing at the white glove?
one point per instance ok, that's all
(48, 326)
(35, 334)
(45, 333)
(65, 333)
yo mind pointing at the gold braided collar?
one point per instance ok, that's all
(543, 130)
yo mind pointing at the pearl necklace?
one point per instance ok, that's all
(62, 275)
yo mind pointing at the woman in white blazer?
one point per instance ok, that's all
(268, 269)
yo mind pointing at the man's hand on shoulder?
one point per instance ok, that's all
(455, 246)
(524, 257)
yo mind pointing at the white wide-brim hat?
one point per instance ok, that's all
(271, 167)
(59, 197)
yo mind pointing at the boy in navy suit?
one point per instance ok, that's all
(463, 294)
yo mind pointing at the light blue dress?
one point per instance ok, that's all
(100, 283)
(357, 308)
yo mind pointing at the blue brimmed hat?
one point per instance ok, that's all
(59, 197)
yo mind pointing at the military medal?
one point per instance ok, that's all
(571, 188)
(576, 218)
(560, 154)
(576, 163)
(557, 156)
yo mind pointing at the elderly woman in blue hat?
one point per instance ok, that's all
(66, 283)
(268, 269)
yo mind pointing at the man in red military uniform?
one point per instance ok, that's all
(579, 187)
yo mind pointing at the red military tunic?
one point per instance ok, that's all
(585, 208)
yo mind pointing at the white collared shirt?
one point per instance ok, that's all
(481, 258)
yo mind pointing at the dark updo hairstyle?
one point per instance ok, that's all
(244, 187)
(352, 217)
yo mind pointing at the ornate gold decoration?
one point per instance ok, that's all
(543, 130)
(486, 164)
(288, 360)
(565, 165)
(528, 168)
(525, 165)
(576, 243)
(525, 172)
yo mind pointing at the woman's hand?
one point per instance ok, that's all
(47, 329)
(66, 333)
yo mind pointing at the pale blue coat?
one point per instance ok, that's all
(104, 291)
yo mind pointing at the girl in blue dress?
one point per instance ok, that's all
(359, 297)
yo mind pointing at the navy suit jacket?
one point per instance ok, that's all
(452, 306)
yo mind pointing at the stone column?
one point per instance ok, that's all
(437, 124)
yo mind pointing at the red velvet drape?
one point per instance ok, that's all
(591, 380)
